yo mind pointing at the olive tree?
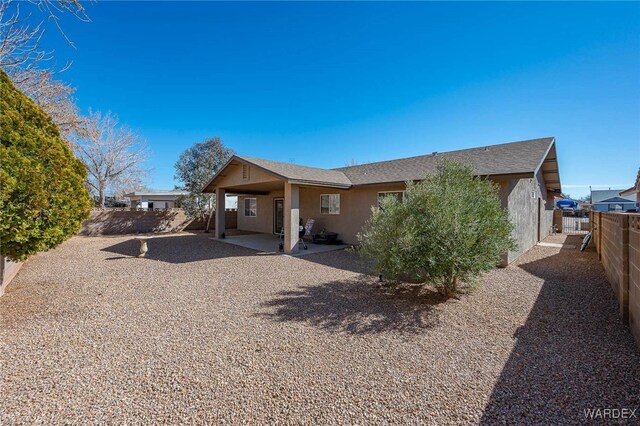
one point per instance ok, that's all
(194, 169)
(43, 199)
(447, 229)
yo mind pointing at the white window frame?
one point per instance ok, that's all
(335, 212)
(401, 191)
(255, 200)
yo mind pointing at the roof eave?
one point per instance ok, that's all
(544, 157)
(317, 183)
(628, 192)
(517, 175)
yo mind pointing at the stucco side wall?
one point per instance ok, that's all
(546, 207)
(522, 198)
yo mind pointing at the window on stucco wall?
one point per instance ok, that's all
(330, 204)
(250, 207)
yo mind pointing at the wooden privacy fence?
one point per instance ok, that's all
(617, 240)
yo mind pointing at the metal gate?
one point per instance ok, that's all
(575, 222)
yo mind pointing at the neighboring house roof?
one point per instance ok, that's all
(600, 195)
(159, 192)
(515, 158)
(508, 158)
(297, 173)
(615, 200)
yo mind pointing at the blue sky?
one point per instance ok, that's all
(322, 84)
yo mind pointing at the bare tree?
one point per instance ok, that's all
(22, 26)
(54, 97)
(113, 154)
(22, 30)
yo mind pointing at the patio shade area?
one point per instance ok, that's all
(269, 244)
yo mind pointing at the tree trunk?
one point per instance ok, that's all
(450, 287)
(208, 224)
(102, 196)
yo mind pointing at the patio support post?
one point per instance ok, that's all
(220, 208)
(291, 217)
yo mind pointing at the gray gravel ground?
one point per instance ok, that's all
(205, 332)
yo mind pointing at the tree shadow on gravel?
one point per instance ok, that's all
(573, 353)
(182, 248)
(347, 259)
(357, 306)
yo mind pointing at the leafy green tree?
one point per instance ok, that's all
(448, 229)
(43, 199)
(194, 169)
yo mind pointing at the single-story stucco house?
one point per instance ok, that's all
(274, 195)
(155, 199)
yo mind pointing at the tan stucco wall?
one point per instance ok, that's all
(355, 209)
(547, 207)
(356, 203)
(263, 222)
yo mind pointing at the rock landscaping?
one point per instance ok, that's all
(200, 331)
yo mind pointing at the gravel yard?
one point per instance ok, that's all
(206, 332)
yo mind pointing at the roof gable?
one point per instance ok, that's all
(302, 174)
(287, 172)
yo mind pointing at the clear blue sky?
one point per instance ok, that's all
(321, 84)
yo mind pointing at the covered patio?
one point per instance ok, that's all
(269, 244)
(275, 191)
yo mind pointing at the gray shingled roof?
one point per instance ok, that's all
(505, 159)
(508, 158)
(157, 192)
(301, 173)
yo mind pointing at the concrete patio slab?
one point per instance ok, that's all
(269, 244)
